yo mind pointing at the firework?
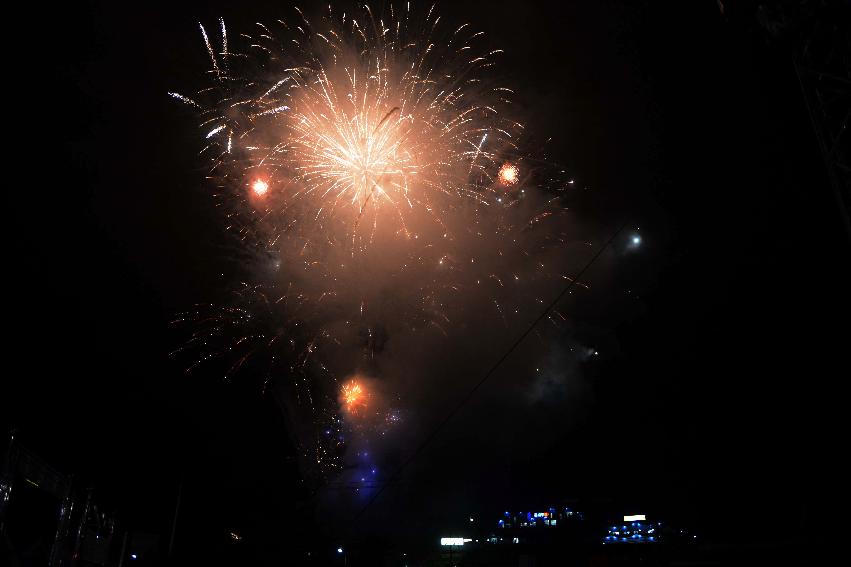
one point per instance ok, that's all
(355, 122)
(509, 174)
(362, 162)
(260, 187)
(353, 397)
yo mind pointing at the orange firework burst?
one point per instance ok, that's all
(509, 174)
(353, 396)
(260, 187)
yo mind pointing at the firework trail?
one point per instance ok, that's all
(371, 169)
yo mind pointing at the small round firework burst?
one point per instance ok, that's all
(509, 174)
(353, 397)
(260, 187)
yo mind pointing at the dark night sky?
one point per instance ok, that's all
(720, 400)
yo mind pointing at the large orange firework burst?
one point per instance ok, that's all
(358, 121)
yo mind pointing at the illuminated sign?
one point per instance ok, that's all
(454, 540)
(635, 518)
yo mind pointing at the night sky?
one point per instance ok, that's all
(722, 350)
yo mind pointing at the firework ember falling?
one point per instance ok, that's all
(376, 158)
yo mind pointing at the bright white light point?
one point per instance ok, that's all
(260, 187)
(339, 550)
(636, 240)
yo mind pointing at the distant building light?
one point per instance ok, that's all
(133, 556)
(339, 550)
(634, 518)
(452, 541)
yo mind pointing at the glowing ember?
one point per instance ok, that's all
(260, 187)
(509, 174)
